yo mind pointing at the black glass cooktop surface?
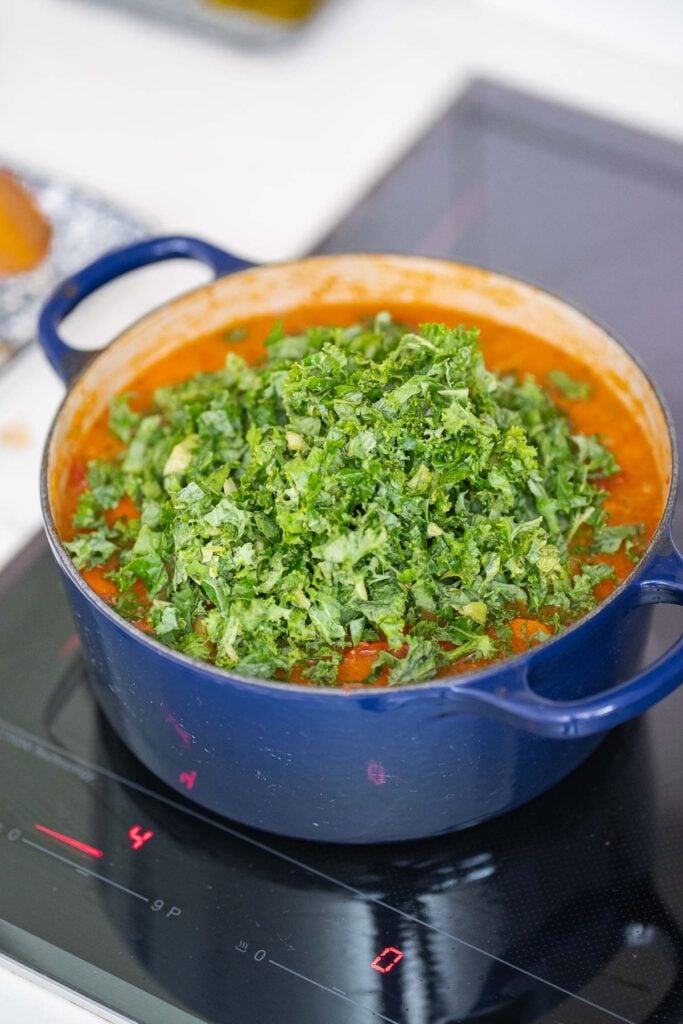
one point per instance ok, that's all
(567, 911)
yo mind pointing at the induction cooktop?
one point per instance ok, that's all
(566, 911)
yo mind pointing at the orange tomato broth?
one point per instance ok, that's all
(635, 495)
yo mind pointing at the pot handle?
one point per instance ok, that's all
(67, 361)
(511, 698)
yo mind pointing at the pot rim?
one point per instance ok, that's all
(442, 684)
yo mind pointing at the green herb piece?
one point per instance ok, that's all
(123, 422)
(610, 538)
(235, 335)
(575, 390)
(90, 549)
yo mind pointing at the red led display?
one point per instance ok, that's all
(387, 959)
(137, 837)
(187, 779)
(92, 851)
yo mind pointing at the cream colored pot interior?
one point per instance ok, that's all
(382, 281)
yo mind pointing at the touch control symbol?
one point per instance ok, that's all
(377, 773)
(92, 851)
(387, 959)
(187, 779)
(138, 838)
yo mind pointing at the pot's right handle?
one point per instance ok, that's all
(511, 699)
(67, 361)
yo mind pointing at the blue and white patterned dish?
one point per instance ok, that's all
(84, 225)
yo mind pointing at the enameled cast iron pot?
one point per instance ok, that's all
(377, 765)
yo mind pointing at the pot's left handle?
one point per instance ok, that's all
(67, 361)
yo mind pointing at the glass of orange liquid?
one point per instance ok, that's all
(24, 232)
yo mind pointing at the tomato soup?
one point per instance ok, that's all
(635, 495)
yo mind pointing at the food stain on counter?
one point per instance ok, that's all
(15, 436)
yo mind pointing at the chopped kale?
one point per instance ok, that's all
(360, 484)
(610, 538)
(123, 422)
(574, 390)
(90, 549)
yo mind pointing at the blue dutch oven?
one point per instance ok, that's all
(373, 765)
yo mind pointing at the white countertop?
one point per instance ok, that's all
(263, 150)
